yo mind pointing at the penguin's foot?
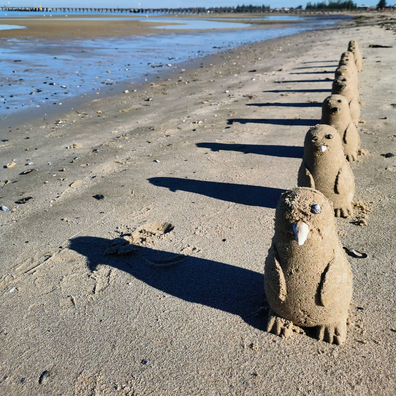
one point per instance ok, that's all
(352, 156)
(343, 212)
(334, 334)
(279, 326)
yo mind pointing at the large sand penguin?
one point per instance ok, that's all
(354, 48)
(335, 112)
(325, 168)
(308, 281)
(345, 87)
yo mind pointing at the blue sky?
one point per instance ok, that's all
(165, 3)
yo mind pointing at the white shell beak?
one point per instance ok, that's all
(301, 231)
(322, 148)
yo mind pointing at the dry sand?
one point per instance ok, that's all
(192, 178)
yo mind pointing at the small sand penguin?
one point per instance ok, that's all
(345, 71)
(307, 278)
(347, 59)
(325, 168)
(354, 48)
(335, 112)
(342, 86)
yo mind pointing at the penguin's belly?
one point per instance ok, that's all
(302, 303)
(304, 276)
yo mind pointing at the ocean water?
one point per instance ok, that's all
(42, 73)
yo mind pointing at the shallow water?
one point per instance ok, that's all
(46, 73)
(11, 27)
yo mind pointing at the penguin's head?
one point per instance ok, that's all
(343, 71)
(322, 140)
(352, 45)
(340, 85)
(347, 60)
(334, 106)
(347, 54)
(304, 214)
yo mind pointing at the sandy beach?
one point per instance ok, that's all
(188, 170)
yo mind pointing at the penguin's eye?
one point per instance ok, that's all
(315, 208)
(314, 138)
(339, 101)
(329, 136)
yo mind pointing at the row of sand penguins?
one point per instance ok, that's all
(308, 280)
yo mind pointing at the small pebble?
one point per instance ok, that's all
(4, 208)
(355, 253)
(388, 155)
(44, 377)
(99, 197)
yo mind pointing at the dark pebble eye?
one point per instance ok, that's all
(316, 209)
(314, 138)
(329, 136)
(339, 101)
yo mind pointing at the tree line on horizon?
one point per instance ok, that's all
(332, 5)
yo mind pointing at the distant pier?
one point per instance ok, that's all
(163, 11)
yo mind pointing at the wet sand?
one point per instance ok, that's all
(192, 177)
(81, 27)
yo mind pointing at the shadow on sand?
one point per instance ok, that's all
(274, 151)
(276, 121)
(298, 90)
(225, 287)
(275, 104)
(238, 193)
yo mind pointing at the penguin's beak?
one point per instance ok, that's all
(301, 231)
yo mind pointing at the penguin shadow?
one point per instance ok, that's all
(304, 81)
(315, 72)
(297, 90)
(217, 285)
(315, 67)
(270, 150)
(285, 104)
(237, 193)
(323, 61)
(274, 121)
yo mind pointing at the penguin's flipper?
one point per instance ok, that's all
(351, 140)
(305, 178)
(325, 292)
(279, 326)
(275, 278)
(344, 180)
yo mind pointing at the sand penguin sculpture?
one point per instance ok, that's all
(354, 48)
(347, 59)
(325, 168)
(335, 112)
(345, 71)
(343, 86)
(307, 278)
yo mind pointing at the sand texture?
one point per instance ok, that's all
(133, 262)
